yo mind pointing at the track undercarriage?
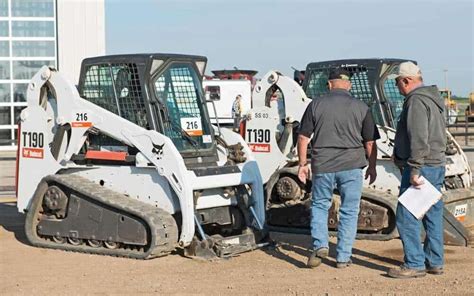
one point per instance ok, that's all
(289, 210)
(71, 213)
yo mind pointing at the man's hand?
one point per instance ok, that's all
(303, 173)
(415, 181)
(303, 170)
(371, 174)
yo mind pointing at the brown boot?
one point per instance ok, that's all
(404, 272)
(437, 270)
(315, 259)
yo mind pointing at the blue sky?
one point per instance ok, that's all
(278, 34)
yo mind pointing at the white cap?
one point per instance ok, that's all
(406, 69)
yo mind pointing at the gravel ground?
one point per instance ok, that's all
(28, 270)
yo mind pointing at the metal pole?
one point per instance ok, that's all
(199, 227)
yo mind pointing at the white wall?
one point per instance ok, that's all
(81, 34)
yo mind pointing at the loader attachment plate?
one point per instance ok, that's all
(215, 247)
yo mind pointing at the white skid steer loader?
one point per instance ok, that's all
(130, 165)
(270, 129)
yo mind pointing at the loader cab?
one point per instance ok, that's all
(371, 83)
(162, 92)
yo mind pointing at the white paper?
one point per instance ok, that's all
(419, 200)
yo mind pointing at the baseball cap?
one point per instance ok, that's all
(406, 69)
(339, 73)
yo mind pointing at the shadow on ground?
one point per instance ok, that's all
(301, 245)
(13, 221)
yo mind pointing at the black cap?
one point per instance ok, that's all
(339, 73)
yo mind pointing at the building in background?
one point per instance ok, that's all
(33, 33)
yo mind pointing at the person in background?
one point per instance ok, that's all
(344, 135)
(420, 145)
(237, 111)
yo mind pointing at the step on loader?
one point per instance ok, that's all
(129, 165)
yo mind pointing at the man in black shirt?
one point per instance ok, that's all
(344, 135)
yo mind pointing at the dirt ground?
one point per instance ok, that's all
(28, 270)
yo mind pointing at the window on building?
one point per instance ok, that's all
(5, 116)
(3, 28)
(4, 48)
(19, 92)
(27, 69)
(33, 29)
(33, 48)
(3, 8)
(5, 136)
(4, 92)
(34, 8)
(4, 69)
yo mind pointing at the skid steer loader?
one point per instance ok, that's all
(130, 165)
(270, 129)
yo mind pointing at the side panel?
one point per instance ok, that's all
(261, 131)
(35, 158)
(143, 184)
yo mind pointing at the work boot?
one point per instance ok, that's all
(436, 270)
(404, 272)
(315, 259)
(344, 264)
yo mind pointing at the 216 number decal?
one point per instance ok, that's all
(81, 116)
(192, 125)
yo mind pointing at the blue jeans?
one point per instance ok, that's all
(409, 228)
(349, 184)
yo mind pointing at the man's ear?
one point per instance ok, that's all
(329, 84)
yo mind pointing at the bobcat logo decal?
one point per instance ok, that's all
(158, 151)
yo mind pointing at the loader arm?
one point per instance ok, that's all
(43, 115)
(291, 90)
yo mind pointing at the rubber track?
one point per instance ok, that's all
(161, 225)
